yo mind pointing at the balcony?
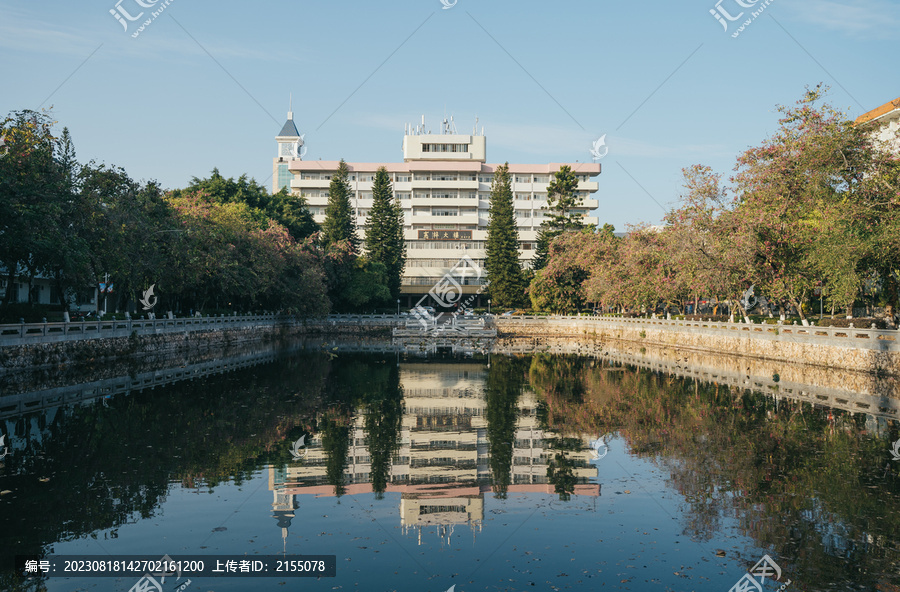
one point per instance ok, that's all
(468, 185)
(431, 219)
(310, 183)
(445, 201)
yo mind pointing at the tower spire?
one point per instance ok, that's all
(291, 107)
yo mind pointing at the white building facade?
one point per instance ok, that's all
(443, 185)
(885, 123)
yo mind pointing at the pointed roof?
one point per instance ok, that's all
(289, 130)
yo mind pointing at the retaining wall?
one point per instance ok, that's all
(859, 350)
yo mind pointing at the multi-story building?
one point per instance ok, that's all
(885, 120)
(443, 185)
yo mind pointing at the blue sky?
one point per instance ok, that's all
(206, 84)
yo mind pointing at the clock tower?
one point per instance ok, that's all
(290, 147)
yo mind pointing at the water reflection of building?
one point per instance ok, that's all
(442, 469)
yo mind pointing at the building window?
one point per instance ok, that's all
(401, 178)
(422, 177)
(486, 178)
(523, 196)
(445, 147)
(523, 179)
(284, 177)
(403, 195)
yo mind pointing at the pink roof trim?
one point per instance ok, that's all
(581, 168)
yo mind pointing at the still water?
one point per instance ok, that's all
(479, 472)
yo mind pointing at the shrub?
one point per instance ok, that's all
(859, 323)
(13, 312)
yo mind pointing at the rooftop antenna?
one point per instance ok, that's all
(475, 128)
(291, 107)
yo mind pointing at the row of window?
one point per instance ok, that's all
(439, 262)
(478, 245)
(441, 194)
(458, 463)
(441, 509)
(461, 245)
(445, 147)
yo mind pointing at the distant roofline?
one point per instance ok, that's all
(579, 168)
(878, 112)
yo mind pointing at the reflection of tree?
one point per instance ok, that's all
(560, 469)
(814, 489)
(119, 461)
(335, 432)
(384, 414)
(373, 384)
(505, 379)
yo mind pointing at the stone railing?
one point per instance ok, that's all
(861, 338)
(35, 333)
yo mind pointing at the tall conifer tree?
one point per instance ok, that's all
(503, 267)
(339, 224)
(562, 198)
(384, 231)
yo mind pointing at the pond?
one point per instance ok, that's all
(457, 472)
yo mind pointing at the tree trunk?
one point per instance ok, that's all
(31, 295)
(796, 304)
(890, 288)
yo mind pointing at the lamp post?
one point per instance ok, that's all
(398, 307)
(489, 306)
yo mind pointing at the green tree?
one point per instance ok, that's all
(562, 199)
(815, 198)
(292, 212)
(354, 283)
(32, 197)
(504, 271)
(339, 225)
(221, 190)
(384, 232)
